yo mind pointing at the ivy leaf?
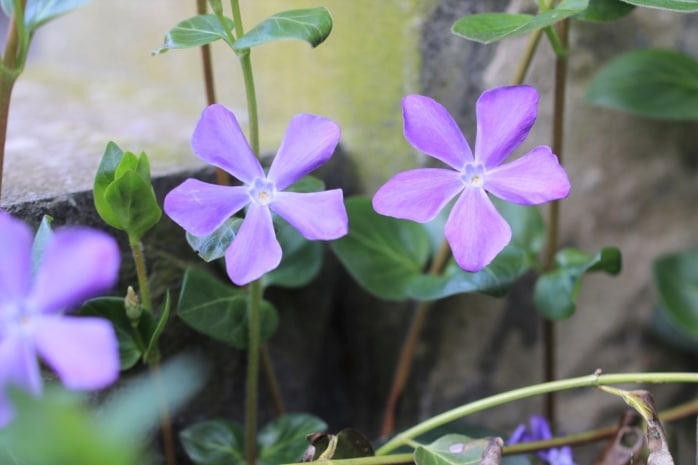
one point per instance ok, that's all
(214, 442)
(195, 32)
(556, 292)
(456, 449)
(654, 83)
(676, 280)
(219, 310)
(312, 25)
(486, 28)
(681, 6)
(283, 439)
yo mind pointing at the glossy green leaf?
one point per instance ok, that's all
(152, 347)
(605, 10)
(284, 439)
(676, 281)
(382, 254)
(213, 246)
(301, 260)
(133, 203)
(106, 172)
(681, 6)
(555, 293)
(39, 12)
(456, 449)
(214, 442)
(654, 83)
(220, 310)
(195, 32)
(43, 234)
(312, 25)
(527, 227)
(486, 28)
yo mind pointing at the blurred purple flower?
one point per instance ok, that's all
(77, 264)
(475, 230)
(200, 208)
(540, 431)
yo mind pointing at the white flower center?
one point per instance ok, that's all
(262, 191)
(14, 318)
(473, 175)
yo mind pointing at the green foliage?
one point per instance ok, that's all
(221, 442)
(556, 291)
(301, 260)
(654, 83)
(676, 280)
(39, 12)
(123, 193)
(605, 10)
(197, 31)
(456, 449)
(492, 27)
(681, 6)
(312, 25)
(219, 310)
(213, 246)
(41, 237)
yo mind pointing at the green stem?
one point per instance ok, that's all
(527, 58)
(530, 391)
(139, 260)
(254, 304)
(272, 381)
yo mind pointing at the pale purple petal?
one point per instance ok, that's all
(475, 230)
(15, 258)
(18, 368)
(83, 351)
(218, 140)
(417, 195)
(200, 208)
(77, 264)
(309, 142)
(431, 129)
(316, 215)
(535, 178)
(255, 250)
(505, 115)
(519, 435)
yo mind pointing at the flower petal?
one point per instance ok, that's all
(18, 368)
(15, 258)
(475, 230)
(309, 142)
(316, 215)
(505, 115)
(255, 250)
(535, 178)
(431, 129)
(218, 140)
(540, 429)
(200, 207)
(417, 195)
(82, 351)
(78, 263)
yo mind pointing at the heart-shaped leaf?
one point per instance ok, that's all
(195, 32)
(312, 25)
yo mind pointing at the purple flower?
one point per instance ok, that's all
(540, 431)
(475, 230)
(200, 208)
(77, 264)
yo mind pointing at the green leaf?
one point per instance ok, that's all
(681, 6)
(654, 83)
(214, 442)
(301, 260)
(556, 292)
(310, 24)
(213, 246)
(195, 32)
(43, 234)
(39, 12)
(133, 203)
(382, 254)
(284, 439)
(605, 10)
(676, 280)
(491, 27)
(106, 173)
(456, 449)
(220, 310)
(157, 331)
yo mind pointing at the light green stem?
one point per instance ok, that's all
(530, 391)
(139, 260)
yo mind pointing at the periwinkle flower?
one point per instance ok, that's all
(475, 230)
(77, 264)
(200, 208)
(540, 431)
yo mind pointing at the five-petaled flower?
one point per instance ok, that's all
(77, 264)
(200, 208)
(475, 230)
(540, 431)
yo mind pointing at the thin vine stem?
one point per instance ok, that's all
(141, 273)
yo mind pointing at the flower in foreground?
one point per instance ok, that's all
(540, 431)
(475, 230)
(200, 208)
(77, 264)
